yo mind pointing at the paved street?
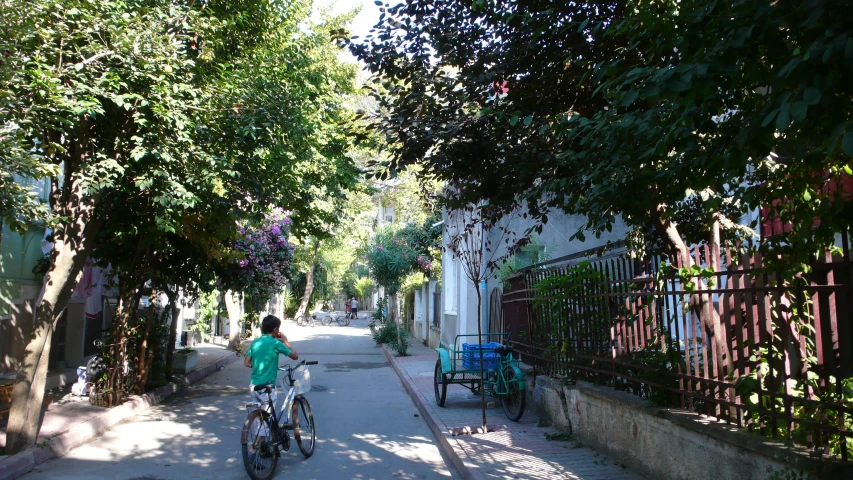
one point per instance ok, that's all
(367, 425)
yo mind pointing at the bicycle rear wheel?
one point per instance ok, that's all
(513, 401)
(303, 425)
(327, 320)
(260, 455)
(301, 320)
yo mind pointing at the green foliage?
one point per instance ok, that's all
(666, 115)
(401, 343)
(364, 287)
(412, 282)
(390, 259)
(554, 294)
(381, 312)
(249, 321)
(412, 197)
(379, 315)
(157, 344)
(390, 334)
(386, 334)
(532, 253)
(289, 303)
(208, 306)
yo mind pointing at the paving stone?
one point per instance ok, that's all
(515, 449)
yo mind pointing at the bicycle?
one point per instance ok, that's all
(305, 320)
(265, 435)
(502, 374)
(342, 320)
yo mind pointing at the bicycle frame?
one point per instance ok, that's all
(501, 381)
(281, 420)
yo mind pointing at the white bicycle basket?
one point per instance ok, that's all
(301, 380)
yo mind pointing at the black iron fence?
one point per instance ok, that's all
(726, 336)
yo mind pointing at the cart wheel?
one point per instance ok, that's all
(513, 400)
(440, 382)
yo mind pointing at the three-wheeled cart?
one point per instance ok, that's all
(501, 377)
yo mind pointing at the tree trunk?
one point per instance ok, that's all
(392, 307)
(700, 303)
(232, 306)
(72, 243)
(143, 351)
(309, 282)
(173, 330)
(129, 298)
(480, 341)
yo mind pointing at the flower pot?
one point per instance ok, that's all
(184, 361)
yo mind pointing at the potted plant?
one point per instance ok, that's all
(184, 360)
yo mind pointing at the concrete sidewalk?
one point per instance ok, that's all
(71, 421)
(514, 450)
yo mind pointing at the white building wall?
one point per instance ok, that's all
(459, 294)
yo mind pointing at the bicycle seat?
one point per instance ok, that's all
(503, 349)
(263, 388)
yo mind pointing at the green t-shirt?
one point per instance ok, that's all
(264, 354)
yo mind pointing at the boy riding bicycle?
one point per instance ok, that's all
(262, 356)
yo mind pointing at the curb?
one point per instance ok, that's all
(22, 463)
(461, 460)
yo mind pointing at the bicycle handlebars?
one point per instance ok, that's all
(287, 368)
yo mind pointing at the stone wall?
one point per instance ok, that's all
(668, 443)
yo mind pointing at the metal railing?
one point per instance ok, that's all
(740, 344)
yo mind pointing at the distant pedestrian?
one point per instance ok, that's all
(348, 306)
(354, 308)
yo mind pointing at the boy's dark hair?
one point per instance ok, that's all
(269, 323)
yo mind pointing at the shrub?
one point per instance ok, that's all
(387, 334)
(401, 345)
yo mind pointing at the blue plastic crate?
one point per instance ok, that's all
(471, 356)
(471, 361)
(476, 346)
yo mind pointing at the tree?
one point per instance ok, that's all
(623, 108)
(310, 257)
(468, 242)
(390, 259)
(101, 88)
(363, 287)
(667, 114)
(18, 157)
(157, 107)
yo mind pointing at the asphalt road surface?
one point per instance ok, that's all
(367, 426)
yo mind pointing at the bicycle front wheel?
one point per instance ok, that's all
(301, 320)
(303, 425)
(327, 320)
(260, 454)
